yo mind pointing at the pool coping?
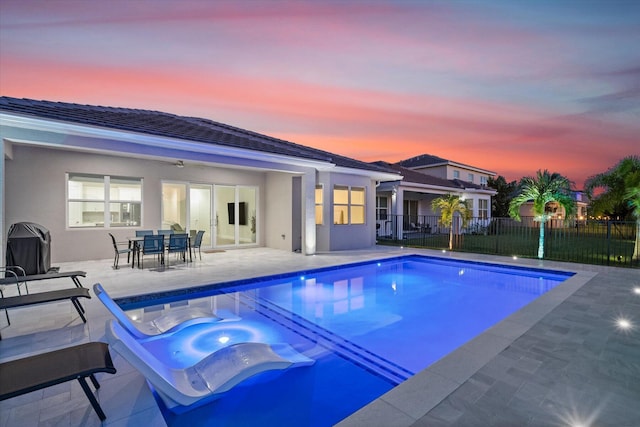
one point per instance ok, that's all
(406, 403)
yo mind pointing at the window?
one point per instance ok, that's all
(348, 205)
(382, 208)
(103, 201)
(456, 174)
(319, 198)
(470, 177)
(483, 208)
(483, 180)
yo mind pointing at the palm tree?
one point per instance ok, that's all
(613, 185)
(449, 205)
(620, 195)
(543, 189)
(632, 195)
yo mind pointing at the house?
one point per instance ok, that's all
(447, 169)
(82, 171)
(557, 212)
(422, 179)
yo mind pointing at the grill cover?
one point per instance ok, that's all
(29, 246)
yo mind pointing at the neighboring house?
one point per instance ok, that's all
(425, 178)
(558, 216)
(82, 171)
(447, 169)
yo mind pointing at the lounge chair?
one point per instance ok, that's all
(175, 320)
(78, 362)
(50, 296)
(183, 389)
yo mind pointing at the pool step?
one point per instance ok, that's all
(324, 338)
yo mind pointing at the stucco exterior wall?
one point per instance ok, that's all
(346, 237)
(439, 171)
(278, 210)
(35, 191)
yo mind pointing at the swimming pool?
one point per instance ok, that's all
(369, 327)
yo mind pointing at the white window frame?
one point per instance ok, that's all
(483, 211)
(350, 204)
(106, 201)
(319, 204)
(382, 210)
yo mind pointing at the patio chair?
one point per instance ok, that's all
(152, 245)
(178, 245)
(197, 243)
(142, 233)
(165, 232)
(185, 388)
(118, 250)
(174, 320)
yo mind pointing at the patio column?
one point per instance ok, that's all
(397, 203)
(309, 212)
(4, 147)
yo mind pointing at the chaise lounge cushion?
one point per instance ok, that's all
(173, 321)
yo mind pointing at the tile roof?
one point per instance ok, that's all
(173, 126)
(411, 176)
(422, 160)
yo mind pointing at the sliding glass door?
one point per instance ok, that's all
(200, 211)
(227, 213)
(174, 206)
(235, 215)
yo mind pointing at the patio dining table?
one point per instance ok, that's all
(135, 244)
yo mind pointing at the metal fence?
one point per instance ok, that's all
(589, 241)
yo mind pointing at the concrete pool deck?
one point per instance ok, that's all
(560, 361)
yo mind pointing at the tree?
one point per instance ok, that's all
(505, 192)
(543, 189)
(620, 193)
(449, 206)
(612, 186)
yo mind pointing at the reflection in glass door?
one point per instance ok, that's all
(235, 215)
(200, 211)
(247, 215)
(224, 223)
(174, 205)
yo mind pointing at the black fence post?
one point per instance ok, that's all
(608, 242)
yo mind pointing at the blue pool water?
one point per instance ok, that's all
(368, 327)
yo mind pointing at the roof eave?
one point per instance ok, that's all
(92, 131)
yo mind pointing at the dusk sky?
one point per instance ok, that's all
(510, 86)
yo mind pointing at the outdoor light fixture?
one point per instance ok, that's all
(179, 164)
